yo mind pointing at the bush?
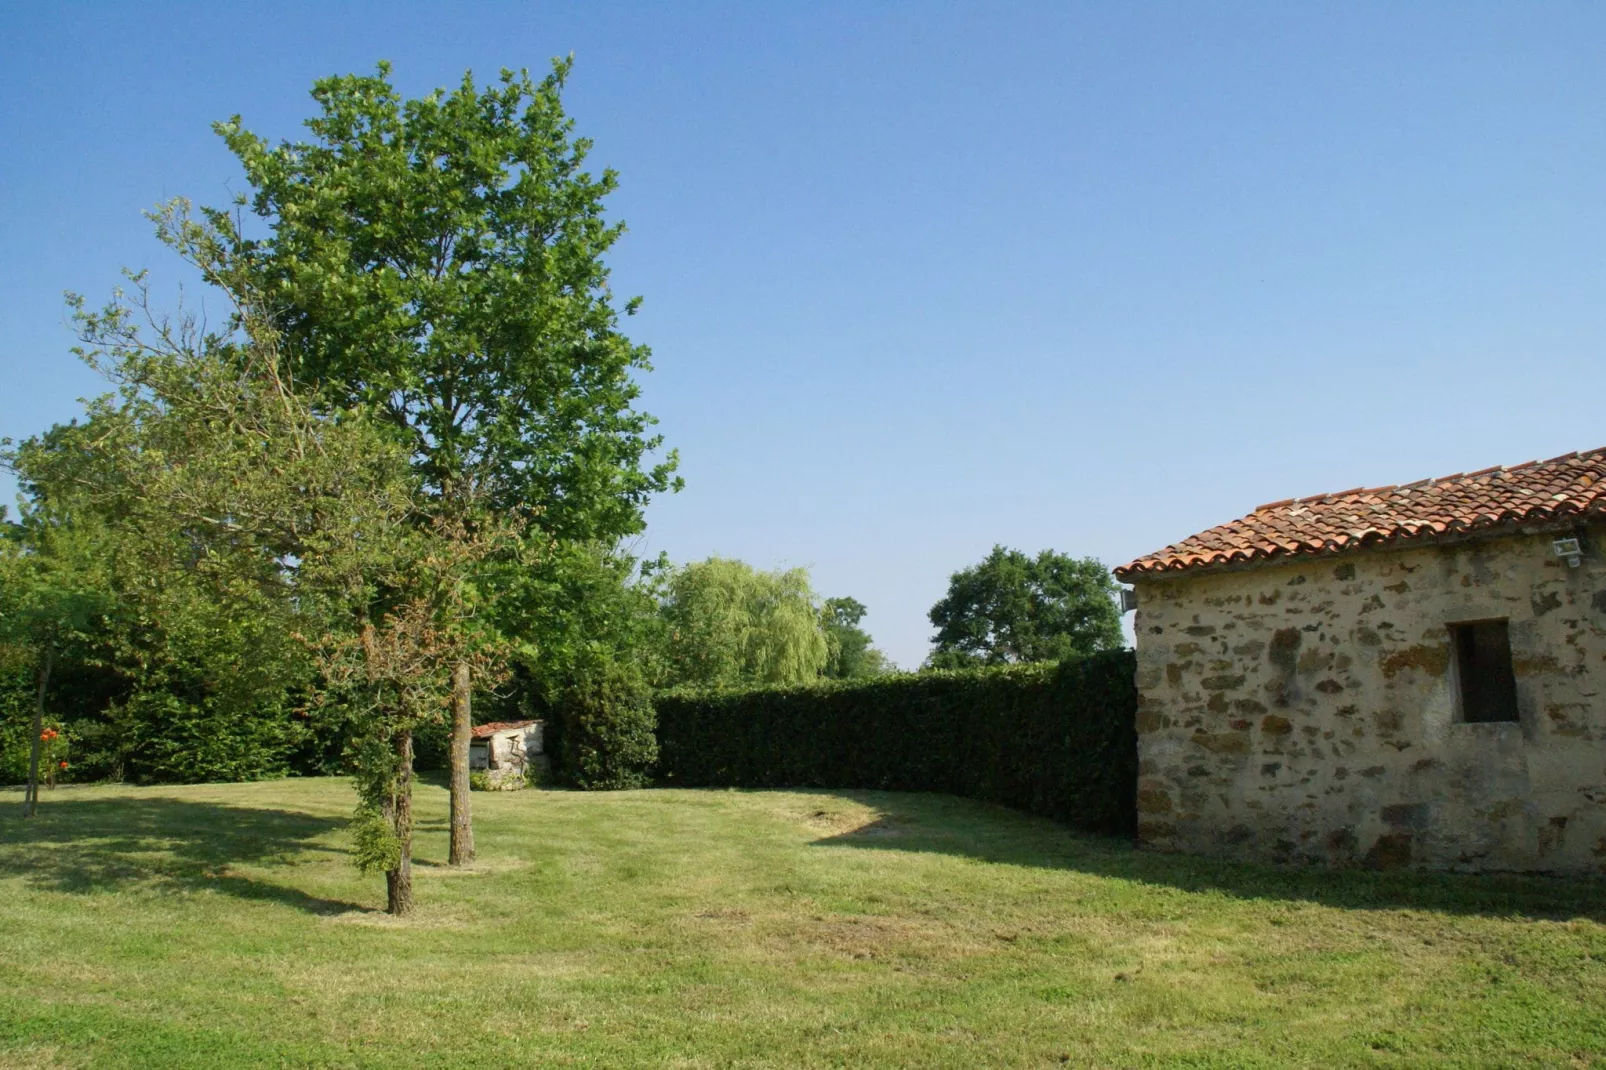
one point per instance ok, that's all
(480, 780)
(1058, 740)
(606, 739)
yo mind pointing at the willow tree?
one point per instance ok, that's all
(439, 262)
(730, 624)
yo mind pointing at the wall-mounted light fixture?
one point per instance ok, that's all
(1569, 549)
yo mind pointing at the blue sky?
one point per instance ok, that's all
(920, 278)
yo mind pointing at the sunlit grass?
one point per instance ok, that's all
(224, 926)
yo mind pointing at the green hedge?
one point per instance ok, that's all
(1057, 740)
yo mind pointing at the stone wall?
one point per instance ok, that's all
(1307, 712)
(512, 756)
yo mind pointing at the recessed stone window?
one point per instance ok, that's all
(1486, 686)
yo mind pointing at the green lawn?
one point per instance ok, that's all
(223, 926)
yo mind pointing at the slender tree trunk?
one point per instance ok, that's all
(31, 799)
(462, 851)
(399, 881)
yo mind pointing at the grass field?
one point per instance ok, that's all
(222, 926)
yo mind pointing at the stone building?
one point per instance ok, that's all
(1410, 675)
(509, 752)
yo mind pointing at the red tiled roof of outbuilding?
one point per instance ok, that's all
(1538, 491)
(486, 731)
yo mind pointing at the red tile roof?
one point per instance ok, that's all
(486, 731)
(1572, 484)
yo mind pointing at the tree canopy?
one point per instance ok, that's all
(851, 655)
(730, 624)
(439, 261)
(1013, 608)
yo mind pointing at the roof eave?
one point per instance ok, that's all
(1241, 562)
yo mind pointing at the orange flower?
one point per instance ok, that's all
(64, 765)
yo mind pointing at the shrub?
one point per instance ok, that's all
(1057, 739)
(479, 780)
(606, 739)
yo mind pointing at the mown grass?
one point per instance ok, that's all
(223, 926)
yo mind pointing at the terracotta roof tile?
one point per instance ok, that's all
(486, 731)
(1572, 484)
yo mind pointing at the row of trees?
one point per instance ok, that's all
(393, 480)
(345, 500)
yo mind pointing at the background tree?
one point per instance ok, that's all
(851, 654)
(173, 680)
(1014, 608)
(49, 603)
(439, 261)
(608, 738)
(730, 625)
(583, 601)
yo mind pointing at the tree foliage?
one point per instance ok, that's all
(439, 262)
(50, 601)
(222, 468)
(165, 679)
(607, 738)
(1011, 608)
(729, 624)
(851, 655)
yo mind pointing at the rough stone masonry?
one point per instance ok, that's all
(1307, 710)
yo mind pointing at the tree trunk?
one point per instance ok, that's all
(462, 850)
(399, 881)
(31, 799)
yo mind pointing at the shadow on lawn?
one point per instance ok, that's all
(99, 845)
(948, 825)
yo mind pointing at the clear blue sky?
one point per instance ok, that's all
(924, 277)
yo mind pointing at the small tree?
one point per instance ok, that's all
(413, 631)
(49, 600)
(227, 463)
(851, 655)
(1013, 608)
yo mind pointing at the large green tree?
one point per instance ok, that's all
(729, 624)
(1013, 608)
(439, 261)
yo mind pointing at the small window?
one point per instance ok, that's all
(1488, 687)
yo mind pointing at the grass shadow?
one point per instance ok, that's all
(88, 846)
(949, 825)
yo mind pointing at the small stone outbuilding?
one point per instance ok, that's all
(1407, 675)
(508, 752)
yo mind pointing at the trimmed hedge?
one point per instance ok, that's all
(1056, 740)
